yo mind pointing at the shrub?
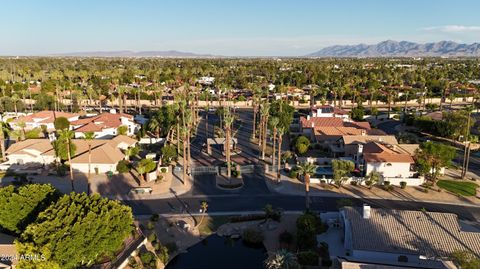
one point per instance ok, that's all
(148, 259)
(123, 166)
(234, 173)
(353, 183)
(293, 174)
(308, 226)
(163, 255)
(150, 225)
(152, 237)
(368, 183)
(308, 257)
(403, 184)
(386, 183)
(286, 238)
(163, 170)
(253, 236)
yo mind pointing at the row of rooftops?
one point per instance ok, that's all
(104, 151)
(90, 124)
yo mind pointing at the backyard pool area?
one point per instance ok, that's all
(323, 171)
(217, 252)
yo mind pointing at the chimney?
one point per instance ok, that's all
(308, 117)
(366, 211)
(313, 125)
(360, 148)
(113, 111)
(363, 132)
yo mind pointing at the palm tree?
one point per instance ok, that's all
(184, 131)
(2, 141)
(203, 210)
(154, 126)
(280, 132)
(68, 135)
(282, 259)
(89, 136)
(306, 169)
(273, 126)
(22, 126)
(228, 118)
(264, 111)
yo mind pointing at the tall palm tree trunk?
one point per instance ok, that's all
(70, 164)
(89, 165)
(273, 146)
(307, 191)
(279, 156)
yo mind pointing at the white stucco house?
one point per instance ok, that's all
(395, 162)
(329, 111)
(105, 154)
(105, 125)
(46, 118)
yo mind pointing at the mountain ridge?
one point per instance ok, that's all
(391, 48)
(130, 53)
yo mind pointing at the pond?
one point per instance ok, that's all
(216, 252)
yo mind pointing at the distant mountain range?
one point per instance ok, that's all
(129, 53)
(391, 48)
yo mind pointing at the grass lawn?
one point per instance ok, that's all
(463, 188)
(210, 224)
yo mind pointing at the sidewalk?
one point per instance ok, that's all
(289, 186)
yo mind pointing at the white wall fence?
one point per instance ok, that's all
(361, 180)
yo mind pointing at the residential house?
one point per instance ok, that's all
(393, 161)
(8, 252)
(105, 125)
(329, 111)
(105, 154)
(329, 129)
(417, 239)
(46, 118)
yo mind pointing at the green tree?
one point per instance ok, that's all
(78, 230)
(465, 260)
(63, 145)
(169, 153)
(145, 166)
(306, 169)
(357, 113)
(122, 130)
(20, 206)
(308, 226)
(432, 157)
(89, 136)
(341, 170)
(302, 143)
(61, 123)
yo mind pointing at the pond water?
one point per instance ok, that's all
(216, 252)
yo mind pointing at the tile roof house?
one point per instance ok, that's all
(402, 237)
(390, 160)
(46, 117)
(328, 129)
(105, 153)
(104, 125)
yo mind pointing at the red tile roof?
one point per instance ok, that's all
(102, 121)
(375, 152)
(48, 116)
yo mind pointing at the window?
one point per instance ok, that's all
(402, 258)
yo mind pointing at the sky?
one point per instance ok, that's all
(228, 27)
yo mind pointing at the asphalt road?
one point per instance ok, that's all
(242, 203)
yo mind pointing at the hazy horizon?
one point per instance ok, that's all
(241, 28)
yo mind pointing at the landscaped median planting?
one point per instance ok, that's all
(463, 188)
